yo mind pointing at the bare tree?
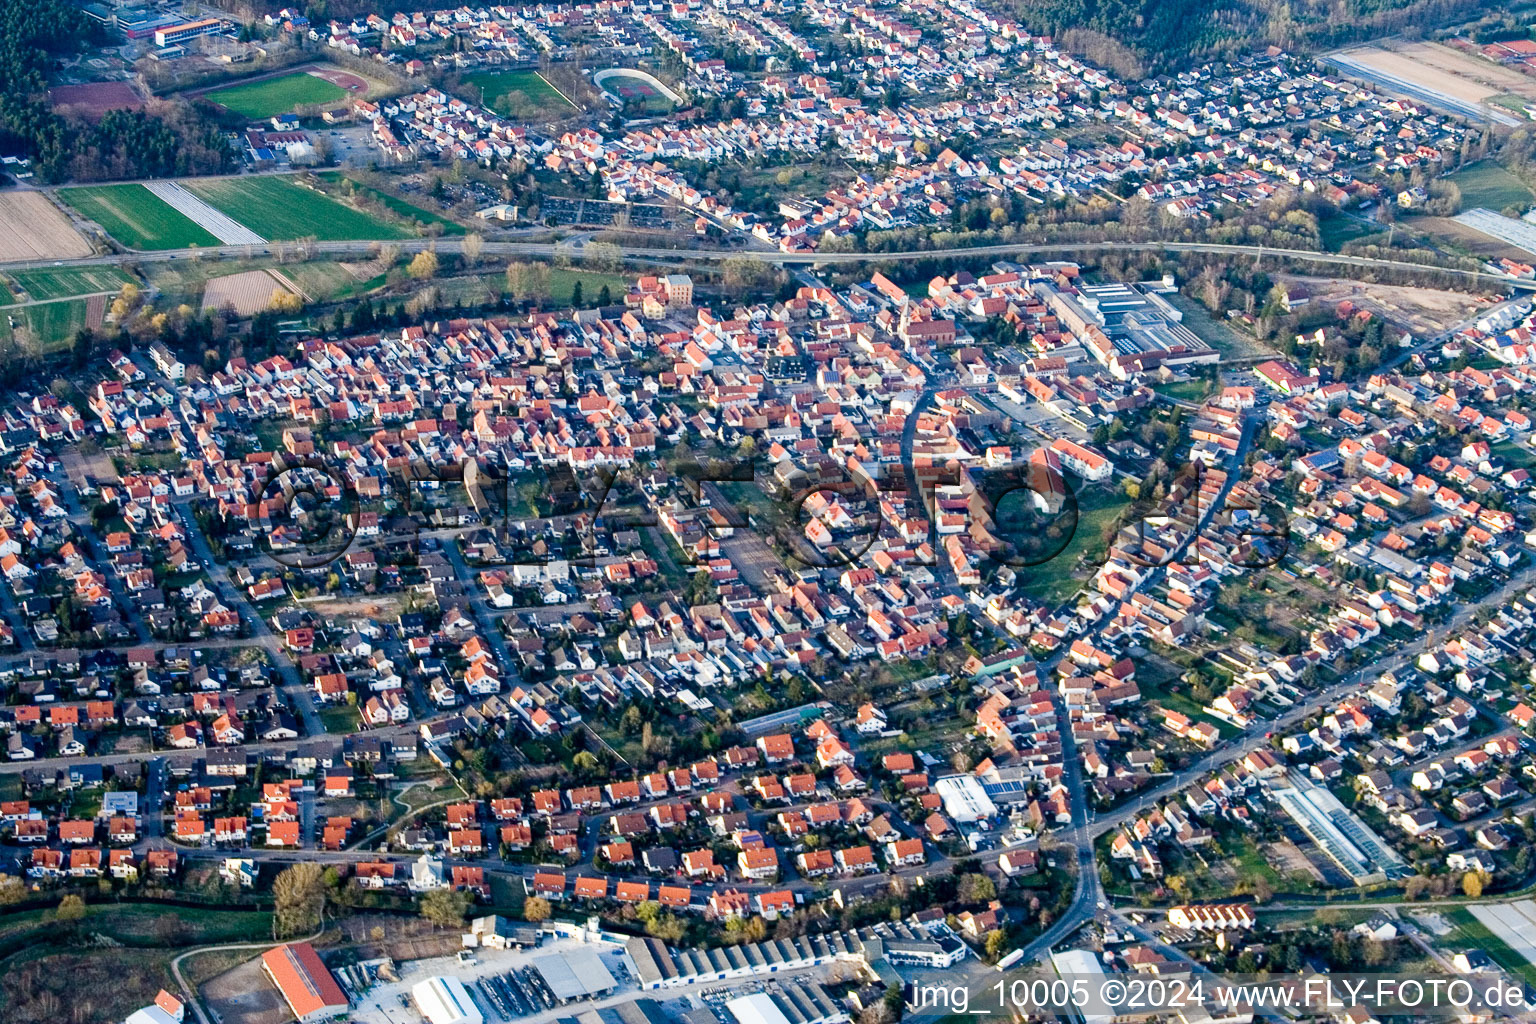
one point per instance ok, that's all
(603, 256)
(299, 897)
(472, 246)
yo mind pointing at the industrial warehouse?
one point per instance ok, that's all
(658, 965)
(446, 1001)
(562, 973)
(1131, 329)
(799, 1004)
(579, 974)
(305, 982)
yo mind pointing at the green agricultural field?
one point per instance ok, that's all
(54, 324)
(395, 204)
(1469, 930)
(278, 209)
(521, 94)
(261, 100)
(1489, 185)
(327, 282)
(64, 282)
(137, 217)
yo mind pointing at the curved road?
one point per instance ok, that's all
(190, 995)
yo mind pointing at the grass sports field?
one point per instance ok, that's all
(395, 204)
(136, 217)
(277, 209)
(519, 94)
(64, 282)
(260, 100)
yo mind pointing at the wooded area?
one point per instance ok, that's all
(1140, 37)
(170, 138)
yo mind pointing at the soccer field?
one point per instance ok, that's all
(135, 216)
(520, 94)
(63, 282)
(260, 100)
(277, 209)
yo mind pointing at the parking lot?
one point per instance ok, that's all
(503, 984)
(601, 213)
(350, 145)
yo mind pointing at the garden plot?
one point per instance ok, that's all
(222, 226)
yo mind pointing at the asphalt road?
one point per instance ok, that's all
(551, 249)
(297, 693)
(1088, 896)
(1255, 736)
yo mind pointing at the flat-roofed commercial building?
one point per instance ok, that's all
(579, 974)
(803, 1003)
(965, 799)
(170, 35)
(657, 965)
(445, 1000)
(1074, 964)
